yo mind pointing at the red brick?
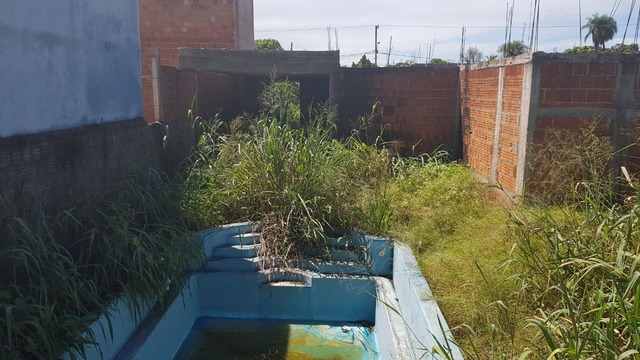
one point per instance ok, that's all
(580, 69)
(579, 96)
(606, 96)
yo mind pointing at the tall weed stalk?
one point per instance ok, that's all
(580, 269)
(60, 270)
(286, 173)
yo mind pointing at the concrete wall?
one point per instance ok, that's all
(420, 104)
(68, 63)
(169, 25)
(244, 25)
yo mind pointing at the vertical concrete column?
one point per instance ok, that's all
(244, 25)
(493, 172)
(155, 81)
(624, 107)
(457, 122)
(527, 122)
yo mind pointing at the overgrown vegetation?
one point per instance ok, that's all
(618, 48)
(556, 278)
(571, 165)
(59, 270)
(559, 279)
(284, 172)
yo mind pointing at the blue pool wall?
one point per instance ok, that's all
(418, 306)
(110, 335)
(407, 317)
(327, 300)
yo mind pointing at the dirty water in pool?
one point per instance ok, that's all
(232, 339)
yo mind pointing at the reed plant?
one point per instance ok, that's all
(579, 270)
(287, 173)
(60, 270)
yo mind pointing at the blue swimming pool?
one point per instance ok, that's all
(364, 298)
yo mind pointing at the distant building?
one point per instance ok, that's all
(170, 24)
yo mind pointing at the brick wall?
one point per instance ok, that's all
(206, 94)
(168, 25)
(494, 106)
(479, 101)
(83, 159)
(512, 93)
(420, 104)
(512, 106)
(573, 94)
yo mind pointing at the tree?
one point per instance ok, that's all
(472, 55)
(438, 61)
(512, 48)
(626, 48)
(363, 63)
(601, 28)
(268, 44)
(407, 63)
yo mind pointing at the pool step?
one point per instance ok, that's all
(290, 278)
(244, 239)
(355, 254)
(337, 267)
(243, 265)
(236, 251)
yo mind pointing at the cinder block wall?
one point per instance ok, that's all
(84, 159)
(494, 99)
(420, 104)
(510, 106)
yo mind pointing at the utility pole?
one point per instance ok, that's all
(376, 51)
(292, 46)
(389, 52)
(580, 16)
(329, 36)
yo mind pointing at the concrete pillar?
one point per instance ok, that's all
(495, 159)
(530, 86)
(624, 108)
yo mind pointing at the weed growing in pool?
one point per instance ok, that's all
(286, 173)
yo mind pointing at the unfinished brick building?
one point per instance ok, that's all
(168, 25)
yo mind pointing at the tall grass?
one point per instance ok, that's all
(60, 270)
(569, 165)
(580, 270)
(286, 173)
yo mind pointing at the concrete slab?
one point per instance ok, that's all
(259, 62)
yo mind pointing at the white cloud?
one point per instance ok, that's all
(440, 20)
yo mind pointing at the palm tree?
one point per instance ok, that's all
(601, 28)
(512, 48)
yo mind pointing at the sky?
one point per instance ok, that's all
(419, 28)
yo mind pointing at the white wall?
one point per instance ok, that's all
(68, 63)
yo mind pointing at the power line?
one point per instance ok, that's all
(412, 27)
(616, 5)
(633, 4)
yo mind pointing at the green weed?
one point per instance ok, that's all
(60, 270)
